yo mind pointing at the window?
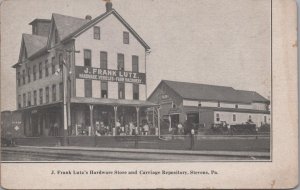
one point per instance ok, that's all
(135, 63)
(34, 72)
(88, 88)
(60, 60)
(126, 37)
(136, 91)
(53, 65)
(103, 60)
(24, 100)
(28, 74)
(121, 90)
(250, 117)
(23, 76)
(120, 61)
(47, 94)
(236, 106)
(41, 96)
(46, 68)
(19, 101)
(233, 117)
(34, 98)
(40, 70)
(61, 91)
(18, 78)
(104, 90)
(29, 99)
(199, 105)
(53, 92)
(265, 119)
(56, 36)
(219, 105)
(87, 58)
(217, 117)
(97, 32)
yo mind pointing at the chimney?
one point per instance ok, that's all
(108, 6)
(88, 17)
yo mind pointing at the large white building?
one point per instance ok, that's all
(87, 70)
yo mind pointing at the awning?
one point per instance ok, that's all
(112, 102)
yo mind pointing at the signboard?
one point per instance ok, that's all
(175, 111)
(91, 73)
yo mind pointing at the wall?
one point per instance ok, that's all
(111, 42)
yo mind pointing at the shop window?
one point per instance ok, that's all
(233, 117)
(46, 68)
(18, 78)
(29, 99)
(135, 63)
(40, 70)
(34, 97)
(126, 37)
(19, 101)
(103, 60)
(34, 72)
(87, 58)
(104, 90)
(41, 96)
(88, 88)
(53, 65)
(23, 77)
(97, 32)
(236, 106)
(28, 74)
(24, 100)
(61, 91)
(53, 92)
(120, 61)
(47, 94)
(217, 117)
(121, 90)
(136, 92)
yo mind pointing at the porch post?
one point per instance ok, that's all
(91, 120)
(116, 119)
(170, 124)
(138, 119)
(158, 120)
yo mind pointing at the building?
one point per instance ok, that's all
(207, 104)
(74, 73)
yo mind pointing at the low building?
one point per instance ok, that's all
(208, 104)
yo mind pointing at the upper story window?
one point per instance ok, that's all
(103, 60)
(135, 63)
(120, 61)
(61, 91)
(121, 90)
(236, 106)
(18, 78)
(56, 36)
(104, 90)
(233, 117)
(97, 32)
(53, 92)
(136, 92)
(29, 99)
(87, 58)
(125, 37)
(23, 76)
(28, 74)
(219, 104)
(34, 98)
(24, 100)
(250, 118)
(40, 70)
(53, 65)
(46, 68)
(88, 88)
(19, 101)
(34, 72)
(217, 117)
(47, 94)
(265, 119)
(41, 96)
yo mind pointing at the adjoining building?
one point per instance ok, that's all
(207, 105)
(74, 73)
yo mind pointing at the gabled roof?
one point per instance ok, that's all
(33, 43)
(207, 92)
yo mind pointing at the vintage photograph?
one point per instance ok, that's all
(136, 81)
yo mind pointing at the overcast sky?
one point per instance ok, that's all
(218, 42)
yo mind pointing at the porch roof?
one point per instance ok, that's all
(112, 102)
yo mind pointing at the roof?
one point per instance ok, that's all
(33, 43)
(194, 109)
(207, 92)
(39, 20)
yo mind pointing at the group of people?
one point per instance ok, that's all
(183, 129)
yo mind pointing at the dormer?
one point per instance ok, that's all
(41, 27)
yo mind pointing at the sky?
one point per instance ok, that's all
(217, 42)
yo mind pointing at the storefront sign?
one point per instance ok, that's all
(109, 75)
(175, 111)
